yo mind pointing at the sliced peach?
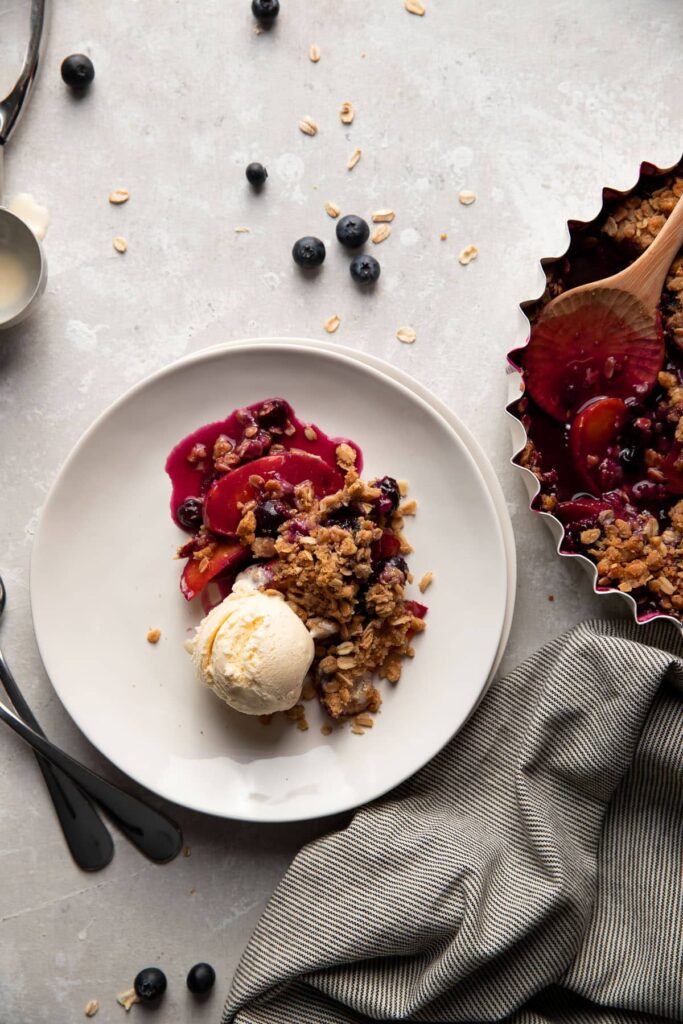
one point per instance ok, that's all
(198, 572)
(595, 429)
(228, 495)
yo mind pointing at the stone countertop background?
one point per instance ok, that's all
(534, 106)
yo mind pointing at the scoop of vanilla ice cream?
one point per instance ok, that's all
(253, 651)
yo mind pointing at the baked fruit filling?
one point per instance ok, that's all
(605, 419)
(264, 495)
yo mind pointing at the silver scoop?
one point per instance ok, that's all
(20, 250)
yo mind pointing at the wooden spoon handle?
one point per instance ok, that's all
(646, 276)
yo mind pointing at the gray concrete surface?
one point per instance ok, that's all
(533, 105)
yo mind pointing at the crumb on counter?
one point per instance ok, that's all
(127, 999)
(153, 636)
(91, 1008)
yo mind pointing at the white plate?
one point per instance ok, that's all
(102, 573)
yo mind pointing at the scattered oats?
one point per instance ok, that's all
(425, 581)
(468, 254)
(187, 851)
(326, 729)
(347, 113)
(154, 636)
(443, 236)
(406, 334)
(408, 508)
(415, 7)
(382, 232)
(353, 159)
(310, 434)
(346, 456)
(383, 216)
(118, 196)
(402, 487)
(466, 197)
(314, 53)
(308, 126)
(258, 29)
(120, 244)
(308, 690)
(302, 725)
(357, 730)
(242, 231)
(332, 209)
(332, 323)
(127, 998)
(365, 721)
(91, 1008)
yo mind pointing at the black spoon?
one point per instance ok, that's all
(86, 834)
(155, 835)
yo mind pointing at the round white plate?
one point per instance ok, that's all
(102, 573)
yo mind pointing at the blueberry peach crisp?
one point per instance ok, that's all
(604, 419)
(269, 499)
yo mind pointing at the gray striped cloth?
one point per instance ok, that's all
(531, 873)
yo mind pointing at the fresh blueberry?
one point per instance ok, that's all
(265, 11)
(189, 513)
(256, 174)
(201, 978)
(352, 231)
(78, 71)
(365, 269)
(269, 516)
(150, 984)
(390, 497)
(308, 252)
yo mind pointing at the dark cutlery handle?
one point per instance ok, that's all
(87, 836)
(153, 833)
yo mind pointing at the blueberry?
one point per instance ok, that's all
(256, 174)
(397, 562)
(189, 513)
(269, 516)
(150, 984)
(390, 496)
(352, 231)
(201, 978)
(308, 252)
(365, 269)
(78, 71)
(265, 11)
(273, 414)
(345, 515)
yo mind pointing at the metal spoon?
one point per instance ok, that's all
(155, 835)
(87, 836)
(16, 238)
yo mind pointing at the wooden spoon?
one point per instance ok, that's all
(604, 337)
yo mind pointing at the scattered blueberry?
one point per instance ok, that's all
(269, 516)
(391, 495)
(352, 231)
(189, 513)
(150, 984)
(201, 978)
(364, 269)
(265, 11)
(256, 174)
(308, 252)
(78, 71)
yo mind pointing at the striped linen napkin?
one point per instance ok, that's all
(531, 873)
